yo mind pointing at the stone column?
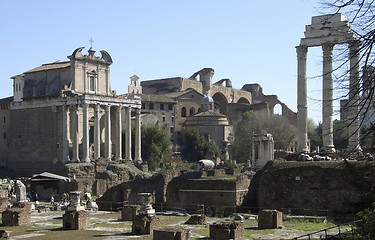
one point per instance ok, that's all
(65, 143)
(118, 134)
(75, 134)
(128, 135)
(137, 156)
(85, 139)
(302, 100)
(108, 149)
(96, 132)
(327, 112)
(353, 104)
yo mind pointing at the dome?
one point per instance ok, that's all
(207, 99)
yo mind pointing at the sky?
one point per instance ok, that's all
(243, 40)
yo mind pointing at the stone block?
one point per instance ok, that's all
(76, 220)
(16, 217)
(268, 219)
(3, 204)
(145, 224)
(129, 212)
(226, 230)
(171, 234)
(197, 219)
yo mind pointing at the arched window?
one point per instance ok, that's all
(191, 112)
(183, 112)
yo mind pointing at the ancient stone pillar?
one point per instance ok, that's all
(96, 132)
(65, 130)
(302, 100)
(74, 114)
(128, 137)
(137, 156)
(85, 139)
(118, 134)
(108, 149)
(327, 112)
(353, 104)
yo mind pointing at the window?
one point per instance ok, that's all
(172, 119)
(143, 105)
(161, 106)
(191, 112)
(163, 119)
(170, 107)
(183, 112)
(150, 106)
(92, 83)
(171, 130)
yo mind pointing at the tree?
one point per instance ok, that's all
(196, 146)
(361, 15)
(253, 123)
(155, 144)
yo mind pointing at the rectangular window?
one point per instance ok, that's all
(5, 135)
(170, 107)
(92, 83)
(171, 130)
(150, 106)
(143, 105)
(4, 119)
(172, 119)
(161, 106)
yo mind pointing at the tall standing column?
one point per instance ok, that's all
(75, 134)
(96, 132)
(353, 104)
(137, 156)
(118, 134)
(65, 143)
(302, 100)
(85, 139)
(108, 149)
(327, 112)
(128, 135)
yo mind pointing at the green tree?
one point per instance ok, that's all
(196, 146)
(252, 123)
(340, 134)
(314, 133)
(365, 228)
(155, 144)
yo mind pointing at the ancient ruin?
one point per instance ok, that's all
(327, 31)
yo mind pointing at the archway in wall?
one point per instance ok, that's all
(243, 101)
(277, 109)
(221, 102)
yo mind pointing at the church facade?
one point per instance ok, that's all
(66, 112)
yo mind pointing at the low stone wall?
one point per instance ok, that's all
(76, 220)
(129, 212)
(226, 230)
(269, 219)
(17, 216)
(145, 224)
(171, 234)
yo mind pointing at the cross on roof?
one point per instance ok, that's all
(91, 41)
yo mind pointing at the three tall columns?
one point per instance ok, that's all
(327, 109)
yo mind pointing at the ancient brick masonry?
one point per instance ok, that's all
(145, 224)
(129, 212)
(19, 214)
(268, 219)
(171, 234)
(226, 230)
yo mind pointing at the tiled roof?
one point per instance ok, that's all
(178, 94)
(50, 66)
(156, 98)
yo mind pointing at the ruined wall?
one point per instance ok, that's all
(33, 141)
(161, 86)
(322, 188)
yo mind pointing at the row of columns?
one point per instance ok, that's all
(73, 119)
(327, 109)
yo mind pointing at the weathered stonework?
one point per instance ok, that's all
(76, 220)
(19, 214)
(145, 224)
(268, 219)
(171, 234)
(226, 230)
(129, 212)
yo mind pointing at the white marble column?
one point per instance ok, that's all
(353, 104)
(65, 143)
(302, 100)
(128, 135)
(108, 148)
(96, 132)
(118, 134)
(85, 139)
(74, 114)
(327, 111)
(137, 156)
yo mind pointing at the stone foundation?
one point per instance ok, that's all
(76, 220)
(226, 230)
(171, 234)
(145, 224)
(129, 212)
(16, 216)
(268, 219)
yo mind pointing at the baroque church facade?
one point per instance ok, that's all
(66, 112)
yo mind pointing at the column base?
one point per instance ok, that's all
(109, 159)
(76, 160)
(86, 159)
(330, 149)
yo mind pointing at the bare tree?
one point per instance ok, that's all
(361, 15)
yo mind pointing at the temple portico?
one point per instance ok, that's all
(327, 31)
(85, 140)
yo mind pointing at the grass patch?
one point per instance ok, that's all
(307, 224)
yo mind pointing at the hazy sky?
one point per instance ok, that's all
(245, 41)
